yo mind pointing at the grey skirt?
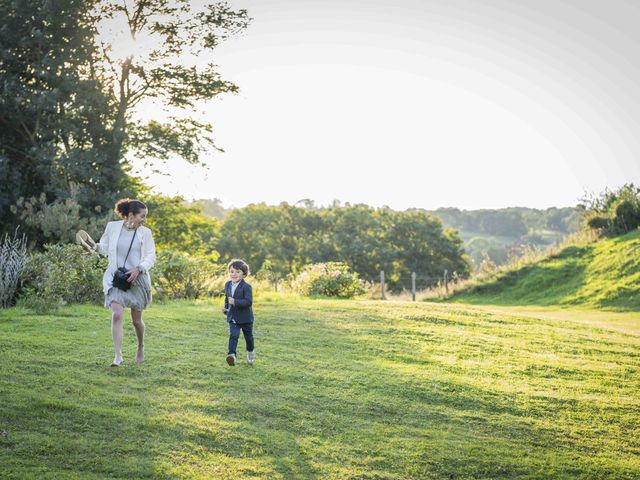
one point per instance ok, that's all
(137, 297)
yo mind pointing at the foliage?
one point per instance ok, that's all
(54, 114)
(57, 221)
(180, 275)
(13, 256)
(332, 279)
(493, 233)
(62, 275)
(340, 390)
(69, 107)
(286, 238)
(210, 207)
(423, 247)
(614, 212)
(177, 226)
(510, 222)
(258, 233)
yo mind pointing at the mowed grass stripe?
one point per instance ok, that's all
(341, 389)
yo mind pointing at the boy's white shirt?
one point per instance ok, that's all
(234, 286)
(108, 246)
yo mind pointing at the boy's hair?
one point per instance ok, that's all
(239, 265)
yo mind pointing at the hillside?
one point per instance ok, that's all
(340, 390)
(604, 274)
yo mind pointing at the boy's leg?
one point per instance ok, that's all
(247, 330)
(234, 335)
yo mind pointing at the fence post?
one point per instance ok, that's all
(413, 286)
(275, 284)
(382, 284)
(446, 281)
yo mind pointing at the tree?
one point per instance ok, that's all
(68, 112)
(421, 245)
(183, 228)
(52, 115)
(360, 236)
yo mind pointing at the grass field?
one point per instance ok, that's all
(340, 390)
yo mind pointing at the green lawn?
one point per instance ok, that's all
(340, 390)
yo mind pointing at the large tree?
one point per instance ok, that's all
(69, 101)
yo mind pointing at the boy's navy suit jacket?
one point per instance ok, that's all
(241, 312)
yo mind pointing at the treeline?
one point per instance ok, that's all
(282, 239)
(279, 241)
(511, 222)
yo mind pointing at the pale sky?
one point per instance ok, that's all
(426, 104)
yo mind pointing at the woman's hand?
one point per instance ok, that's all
(132, 274)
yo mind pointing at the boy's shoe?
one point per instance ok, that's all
(251, 357)
(231, 359)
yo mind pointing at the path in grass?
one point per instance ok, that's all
(341, 389)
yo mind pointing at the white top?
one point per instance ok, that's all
(233, 287)
(124, 240)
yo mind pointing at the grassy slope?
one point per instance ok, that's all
(602, 274)
(341, 389)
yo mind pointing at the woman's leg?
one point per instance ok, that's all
(138, 324)
(117, 332)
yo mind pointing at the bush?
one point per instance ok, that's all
(330, 279)
(627, 214)
(59, 221)
(614, 212)
(180, 275)
(63, 274)
(13, 256)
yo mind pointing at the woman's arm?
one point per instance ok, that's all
(102, 247)
(247, 301)
(148, 253)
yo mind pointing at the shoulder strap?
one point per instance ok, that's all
(124, 265)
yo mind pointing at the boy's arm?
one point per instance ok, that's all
(226, 299)
(247, 301)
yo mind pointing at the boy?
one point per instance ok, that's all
(238, 298)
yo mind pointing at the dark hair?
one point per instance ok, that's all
(239, 265)
(126, 206)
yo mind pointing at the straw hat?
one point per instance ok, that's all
(84, 239)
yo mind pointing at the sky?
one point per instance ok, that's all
(423, 104)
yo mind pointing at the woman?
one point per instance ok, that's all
(128, 243)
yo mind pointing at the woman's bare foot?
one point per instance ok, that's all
(140, 355)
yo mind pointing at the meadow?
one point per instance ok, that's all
(340, 390)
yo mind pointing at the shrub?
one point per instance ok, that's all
(627, 214)
(180, 275)
(58, 222)
(614, 212)
(13, 256)
(63, 274)
(330, 279)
